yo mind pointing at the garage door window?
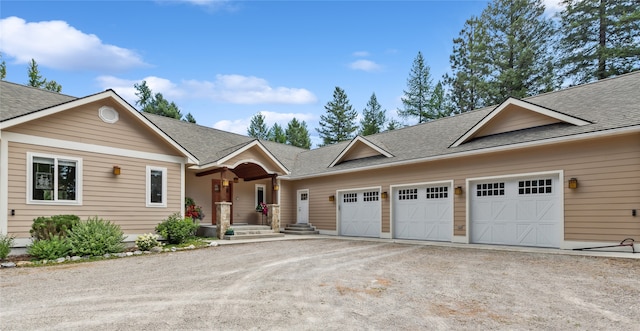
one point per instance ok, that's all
(437, 192)
(490, 189)
(371, 196)
(535, 186)
(350, 197)
(408, 194)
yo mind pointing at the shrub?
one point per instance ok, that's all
(147, 241)
(54, 226)
(49, 249)
(6, 242)
(96, 237)
(176, 229)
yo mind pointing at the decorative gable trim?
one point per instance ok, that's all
(257, 144)
(95, 98)
(353, 145)
(509, 103)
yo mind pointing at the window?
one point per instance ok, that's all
(260, 197)
(408, 194)
(490, 189)
(441, 192)
(371, 196)
(156, 187)
(54, 179)
(350, 197)
(536, 186)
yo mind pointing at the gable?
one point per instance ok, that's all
(255, 153)
(513, 115)
(359, 148)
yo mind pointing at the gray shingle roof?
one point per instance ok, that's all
(608, 104)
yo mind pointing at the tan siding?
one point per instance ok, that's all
(359, 151)
(514, 118)
(608, 171)
(120, 199)
(200, 190)
(83, 125)
(288, 203)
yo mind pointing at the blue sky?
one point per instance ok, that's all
(225, 61)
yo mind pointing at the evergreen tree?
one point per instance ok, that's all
(297, 134)
(36, 80)
(394, 124)
(470, 70)
(339, 122)
(3, 69)
(519, 49)
(189, 118)
(257, 128)
(438, 103)
(157, 104)
(419, 88)
(277, 134)
(373, 117)
(600, 38)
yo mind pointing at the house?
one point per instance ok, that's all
(558, 170)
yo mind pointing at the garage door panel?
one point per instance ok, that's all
(524, 212)
(360, 213)
(423, 213)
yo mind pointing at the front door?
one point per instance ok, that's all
(303, 206)
(219, 194)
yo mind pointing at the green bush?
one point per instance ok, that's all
(6, 242)
(54, 226)
(96, 237)
(177, 230)
(50, 249)
(147, 241)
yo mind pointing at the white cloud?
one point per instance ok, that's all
(236, 126)
(240, 125)
(57, 45)
(364, 65)
(125, 87)
(238, 89)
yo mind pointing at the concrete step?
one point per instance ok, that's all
(300, 229)
(254, 236)
(300, 232)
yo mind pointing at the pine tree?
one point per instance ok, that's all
(297, 134)
(438, 102)
(3, 69)
(36, 80)
(600, 38)
(189, 118)
(470, 70)
(419, 88)
(520, 52)
(373, 117)
(277, 134)
(157, 104)
(257, 128)
(339, 122)
(394, 124)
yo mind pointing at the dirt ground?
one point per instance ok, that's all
(329, 284)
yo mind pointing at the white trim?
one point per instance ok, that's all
(182, 189)
(449, 182)
(352, 143)
(4, 186)
(559, 173)
(83, 147)
(298, 194)
(337, 203)
(460, 239)
(385, 235)
(55, 201)
(249, 146)
(523, 104)
(485, 151)
(109, 94)
(108, 114)
(250, 161)
(162, 204)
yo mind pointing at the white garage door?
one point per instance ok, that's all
(423, 212)
(522, 212)
(360, 213)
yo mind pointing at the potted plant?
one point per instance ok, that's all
(229, 232)
(193, 211)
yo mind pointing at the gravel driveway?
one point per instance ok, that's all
(330, 284)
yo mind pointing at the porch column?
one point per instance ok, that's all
(273, 217)
(223, 218)
(274, 189)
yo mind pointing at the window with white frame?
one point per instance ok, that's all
(54, 179)
(156, 186)
(260, 194)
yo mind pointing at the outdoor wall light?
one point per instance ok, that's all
(225, 182)
(236, 180)
(116, 170)
(573, 183)
(457, 190)
(384, 195)
(276, 187)
(332, 198)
